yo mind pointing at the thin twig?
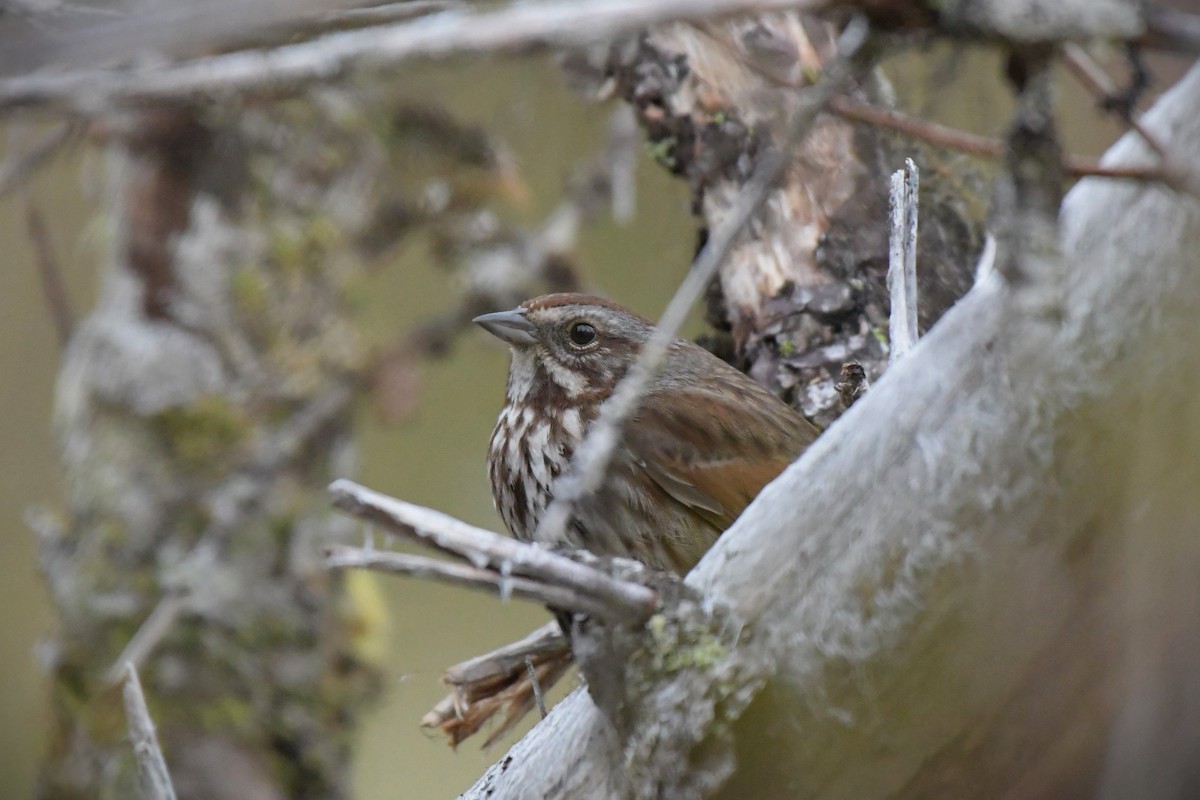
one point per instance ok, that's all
(17, 169)
(54, 288)
(983, 146)
(593, 456)
(146, 638)
(923, 130)
(515, 27)
(384, 13)
(299, 28)
(536, 684)
(614, 600)
(950, 138)
(465, 575)
(1081, 64)
(1085, 69)
(153, 777)
(902, 260)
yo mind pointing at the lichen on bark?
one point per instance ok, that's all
(203, 405)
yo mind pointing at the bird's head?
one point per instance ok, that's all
(574, 344)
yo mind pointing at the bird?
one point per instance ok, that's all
(702, 442)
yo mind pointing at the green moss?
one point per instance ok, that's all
(359, 291)
(204, 434)
(663, 151)
(228, 714)
(787, 348)
(305, 251)
(286, 251)
(323, 234)
(249, 291)
(676, 650)
(109, 533)
(301, 369)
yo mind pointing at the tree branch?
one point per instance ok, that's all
(153, 777)
(987, 147)
(54, 288)
(608, 598)
(564, 597)
(281, 69)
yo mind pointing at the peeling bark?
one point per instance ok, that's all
(806, 292)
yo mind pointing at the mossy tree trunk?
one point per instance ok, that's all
(202, 406)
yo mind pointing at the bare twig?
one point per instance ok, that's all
(54, 289)
(610, 598)
(593, 456)
(1087, 71)
(1090, 74)
(490, 580)
(147, 636)
(947, 137)
(519, 26)
(902, 260)
(384, 13)
(621, 158)
(983, 146)
(536, 684)
(153, 777)
(17, 169)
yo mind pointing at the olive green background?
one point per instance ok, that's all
(434, 458)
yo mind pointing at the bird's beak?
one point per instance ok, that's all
(511, 326)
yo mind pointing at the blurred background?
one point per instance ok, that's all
(435, 455)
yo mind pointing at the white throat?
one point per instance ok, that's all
(520, 374)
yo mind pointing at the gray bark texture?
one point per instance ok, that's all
(202, 405)
(981, 580)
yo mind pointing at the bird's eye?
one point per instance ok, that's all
(582, 334)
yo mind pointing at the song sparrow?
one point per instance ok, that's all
(703, 442)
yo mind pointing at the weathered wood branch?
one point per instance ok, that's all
(558, 578)
(527, 25)
(522, 26)
(902, 260)
(981, 579)
(153, 778)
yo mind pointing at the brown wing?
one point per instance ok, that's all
(711, 438)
